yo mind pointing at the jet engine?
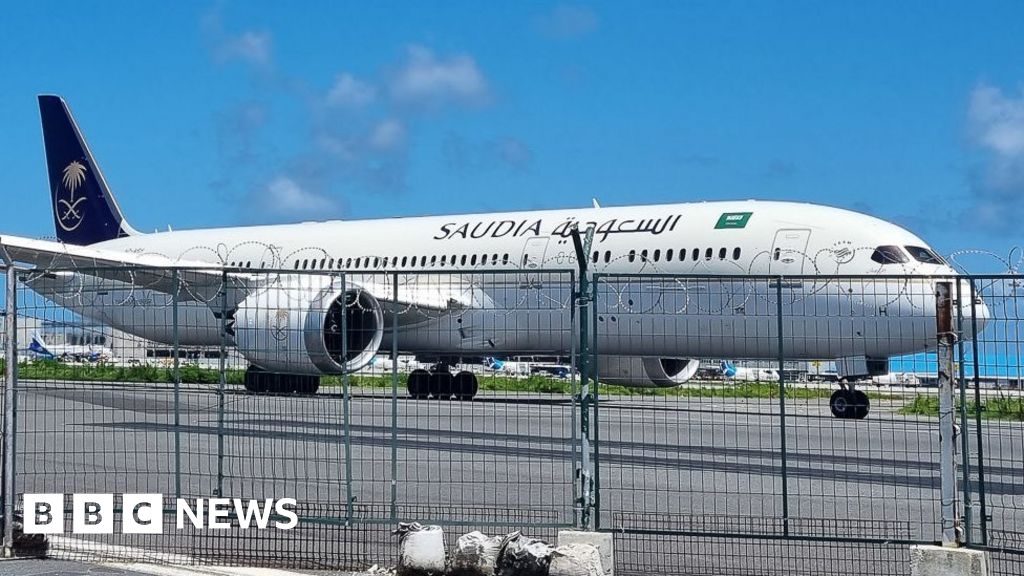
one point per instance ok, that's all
(311, 328)
(645, 372)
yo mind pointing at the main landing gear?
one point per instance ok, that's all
(848, 402)
(259, 381)
(440, 384)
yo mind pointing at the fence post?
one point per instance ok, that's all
(394, 400)
(947, 444)
(965, 451)
(581, 296)
(223, 380)
(345, 399)
(177, 384)
(11, 376)
(983, 509)
(782, 409)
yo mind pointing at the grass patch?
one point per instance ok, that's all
(191, 374)
(998, 408)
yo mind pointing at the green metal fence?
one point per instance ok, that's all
(715, 473)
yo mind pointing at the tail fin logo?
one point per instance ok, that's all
(69, 215)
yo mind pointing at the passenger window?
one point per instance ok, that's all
(736, 253)
(472, 260)
(707, 253)
(305, 264)
(721, 253)
(643, 256)
(433, 260)
(889, 255)
(462, 260)
(348, 263)
(595, 257)
(607, 256)
(778, 252)
(483, 259)
(494, 261)
(668, 255)
(632, 256)
(504, 259)
(331, 264)
(695, 254)
(657, 255)
(322, 262)
(405, 261)
(443, 257)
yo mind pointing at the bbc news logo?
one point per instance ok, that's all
(144, 513)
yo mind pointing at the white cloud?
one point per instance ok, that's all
(286, 195)
(996, 128)
(996, 124)
(249, 47)
(388, 135)
(349, 91)
(997, 121)
(427, 80)
(566, 21)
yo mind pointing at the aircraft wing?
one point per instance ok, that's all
(203, 281)
(199, 280)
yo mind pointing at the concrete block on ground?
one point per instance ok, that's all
(600, 540)
(943, 561)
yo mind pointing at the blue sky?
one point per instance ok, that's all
(205, 114)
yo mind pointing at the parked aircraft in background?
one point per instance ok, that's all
(497, 292)
(519, 368)
(733, 372)
(78, 353)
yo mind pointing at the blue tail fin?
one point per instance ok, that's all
(84, 210)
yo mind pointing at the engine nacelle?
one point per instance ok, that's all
(297, 328)
(644, 372)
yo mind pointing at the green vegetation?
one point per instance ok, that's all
(53, 370)
(996, 408)
(191, 374)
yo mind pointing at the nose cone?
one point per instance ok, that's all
(974, 312)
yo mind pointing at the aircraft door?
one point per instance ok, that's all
(789, 252)
(533, 252)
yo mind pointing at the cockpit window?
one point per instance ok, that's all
(924, 255)
(889, 255)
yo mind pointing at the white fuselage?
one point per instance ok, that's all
(669, 317)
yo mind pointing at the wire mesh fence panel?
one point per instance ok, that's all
(721, 439)
(760, 439)
(992, 416)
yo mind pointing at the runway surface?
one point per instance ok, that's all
(664, 465)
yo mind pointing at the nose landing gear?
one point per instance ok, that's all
(848, 402)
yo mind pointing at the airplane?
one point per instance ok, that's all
(89, 353)
(733, 372)
(526, 368)
(283, 295)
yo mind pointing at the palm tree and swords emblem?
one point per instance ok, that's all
(69, 215)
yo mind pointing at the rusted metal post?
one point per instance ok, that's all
(947, 442)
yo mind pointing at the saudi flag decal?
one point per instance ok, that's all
(733, 220)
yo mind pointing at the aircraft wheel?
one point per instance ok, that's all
(465, 385)
(307, 385)
(441, 385)
(861, 405)
(256, 380)
(418, 383)
(841, 404)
